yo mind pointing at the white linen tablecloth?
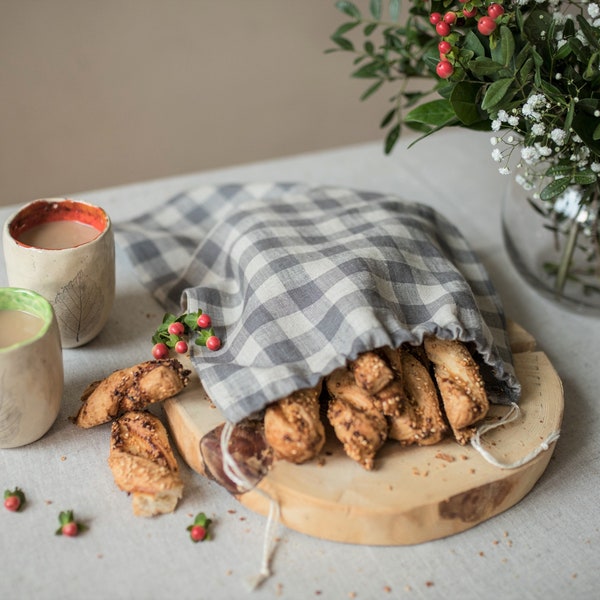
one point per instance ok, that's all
(544, 547)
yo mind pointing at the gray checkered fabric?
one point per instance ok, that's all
(299, 279)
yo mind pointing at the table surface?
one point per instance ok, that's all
(547, 546)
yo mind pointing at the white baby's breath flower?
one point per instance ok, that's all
(513, 121)
(530, 155)
(504, 171)
(595, 167)
(538, 129)
(543, 150)
(593, 10)
(496, 154)
(496, 124)
(558, 136)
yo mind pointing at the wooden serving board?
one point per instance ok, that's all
(414, 494)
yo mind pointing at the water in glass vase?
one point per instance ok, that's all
(555, 245)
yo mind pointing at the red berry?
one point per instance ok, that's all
(70, 529)
(450, 18)
(176, 328)
(470, 13)
(444, 47)
(197, 533)
(204, 321)
(181, 347)
(444, 69)
(12, 503)
(486, 25)
(435, 18)
(495, 10)
(160, 350)
(442, 28)
(213, 343)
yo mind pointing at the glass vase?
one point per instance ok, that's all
(555, 245)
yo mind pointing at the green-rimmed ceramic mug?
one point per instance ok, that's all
(31, 367)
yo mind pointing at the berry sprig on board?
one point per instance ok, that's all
(175, 331)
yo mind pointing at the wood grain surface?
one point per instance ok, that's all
(414, 494)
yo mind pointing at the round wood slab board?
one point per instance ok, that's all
(414, 494)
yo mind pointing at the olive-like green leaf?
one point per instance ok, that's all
(596, 134)
(552, 91)
(435, 112)
(392, 138)
(484, 66)
(560, 169)
(371, 89)
(473, 43)
(585, 125)
(495, 93)
(591, 71)
(375, 8)
(343, 43)
(344, 28)
(555, 188)
(525, 70)
(507, 45)
(588, 104)
(394, 8)
(369, 29)
(464, 102)
(348, 8)
(563, 51)
(388, 118)
(368, 71)
(585, 177)
(590, 33)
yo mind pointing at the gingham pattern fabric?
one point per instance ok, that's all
(297, 280)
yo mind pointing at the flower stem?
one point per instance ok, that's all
(567, 257)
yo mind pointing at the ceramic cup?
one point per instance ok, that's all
(31, 367)
(64, 250)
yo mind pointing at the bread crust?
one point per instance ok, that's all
(143, 463)
(420, 420)
(460, 385)
(293, 426)
(133, 388)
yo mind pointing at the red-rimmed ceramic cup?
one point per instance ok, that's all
(64, 250)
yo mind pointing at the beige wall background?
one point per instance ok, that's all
(102, 93)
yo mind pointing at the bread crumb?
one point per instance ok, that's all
(429, 583)
(387, 589)
(63, 458)
(464, 457)
(481, 553)
(352, 595)
(445, 457)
